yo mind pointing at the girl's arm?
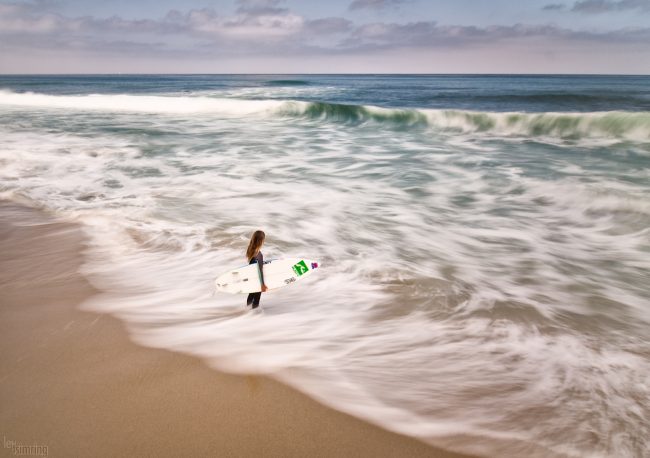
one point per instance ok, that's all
(260, 263)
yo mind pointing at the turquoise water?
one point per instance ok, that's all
(484, 240)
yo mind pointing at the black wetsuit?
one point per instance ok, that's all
(254, 298)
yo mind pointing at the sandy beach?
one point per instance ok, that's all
(73, 384)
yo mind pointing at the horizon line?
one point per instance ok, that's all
(323, 74)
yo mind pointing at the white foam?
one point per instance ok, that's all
(459, 290)
(138, 103)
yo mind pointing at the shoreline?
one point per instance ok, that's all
(73, 382)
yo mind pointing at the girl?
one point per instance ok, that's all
(254, 255)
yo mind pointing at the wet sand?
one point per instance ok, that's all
(73, 384)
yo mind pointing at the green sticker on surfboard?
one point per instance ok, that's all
(300, 268)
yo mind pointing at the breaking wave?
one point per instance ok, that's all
(608, 124)
(617, 125)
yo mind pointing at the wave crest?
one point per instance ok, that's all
(616, 125)
(634, 126)
(569, 126)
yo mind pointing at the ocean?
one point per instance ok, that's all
(484, 241)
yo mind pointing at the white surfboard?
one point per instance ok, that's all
(277, 273)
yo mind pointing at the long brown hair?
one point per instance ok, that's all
(254, 245)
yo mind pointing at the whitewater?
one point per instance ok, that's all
(484, 243)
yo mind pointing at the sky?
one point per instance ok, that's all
(332, 36)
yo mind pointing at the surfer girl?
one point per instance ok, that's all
(254, 255)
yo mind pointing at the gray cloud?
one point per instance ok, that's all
(554, 7)
(263, 27)
(373, 4)
(604, 6)
(260, 7)
(253, 23)
(432, 35)
(329, 25)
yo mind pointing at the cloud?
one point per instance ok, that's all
(265, 27)
(329, 25)
(260, 7)
(430, 34)
(373, 4)
(253, 21)
(28, 19)
(553, 7)
(604, 6)
(250, 23)
(19, 17)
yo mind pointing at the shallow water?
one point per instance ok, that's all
(484, 241)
